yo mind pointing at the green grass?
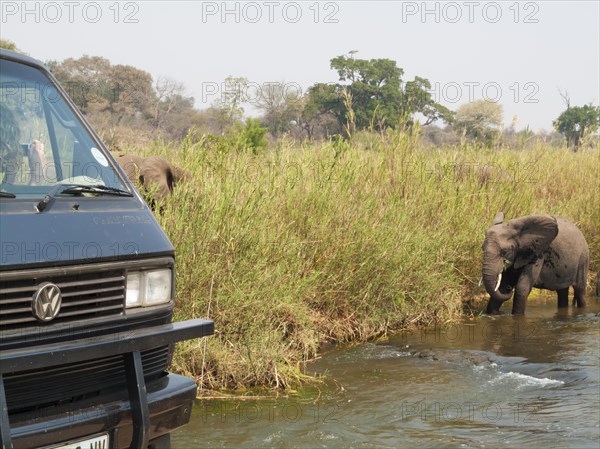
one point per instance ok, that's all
(341, 242)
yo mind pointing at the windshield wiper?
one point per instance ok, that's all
(7, 194)
(74, 189)
(77, 189)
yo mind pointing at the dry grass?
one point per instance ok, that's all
(344, 241)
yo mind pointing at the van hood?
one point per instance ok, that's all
(66, 235)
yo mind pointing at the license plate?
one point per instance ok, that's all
(98, 442)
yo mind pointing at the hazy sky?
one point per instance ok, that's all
(517, 53)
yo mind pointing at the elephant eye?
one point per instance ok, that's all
(506, 254)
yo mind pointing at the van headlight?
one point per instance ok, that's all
(148, 288)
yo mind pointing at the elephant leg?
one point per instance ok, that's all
(493, 307)
(519, 303)
(563, 297)
(579, 298)
(522, 291)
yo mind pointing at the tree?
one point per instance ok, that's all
(132, 90)
(170, 100)
(8, 45)
(419, 100)
(229, 106)
(122, 96)
(87, 79)
(480, 119)
(577, 122)
(282, 107)
(378, 96)
(93, 82)
(375, 89)
(323, 112)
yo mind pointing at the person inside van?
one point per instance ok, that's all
(37, 162)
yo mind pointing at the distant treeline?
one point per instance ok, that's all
(128, 107)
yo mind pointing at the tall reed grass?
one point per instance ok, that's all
(344, 241)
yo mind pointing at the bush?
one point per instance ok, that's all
(288, 249)
(251, 136)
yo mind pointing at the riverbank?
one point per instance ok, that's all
(343, 242)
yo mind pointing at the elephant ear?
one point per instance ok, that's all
(498, 219)
(535, 234)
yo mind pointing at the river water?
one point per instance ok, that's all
(488, 382)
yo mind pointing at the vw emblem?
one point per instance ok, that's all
(46, 302)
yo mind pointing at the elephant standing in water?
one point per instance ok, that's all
(533, 251)
(153, 173)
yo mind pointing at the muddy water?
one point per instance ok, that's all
(500, 382)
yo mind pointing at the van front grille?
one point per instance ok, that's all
(85, 295)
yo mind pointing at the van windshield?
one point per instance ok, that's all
(42, 141)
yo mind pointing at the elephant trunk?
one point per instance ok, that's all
(493, 266)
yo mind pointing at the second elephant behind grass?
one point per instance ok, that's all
(153, 173)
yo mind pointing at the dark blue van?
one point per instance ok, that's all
(87, 284)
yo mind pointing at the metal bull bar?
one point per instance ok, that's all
(129, 345)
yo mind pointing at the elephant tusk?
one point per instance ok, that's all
(498, 283)
(480, 281)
